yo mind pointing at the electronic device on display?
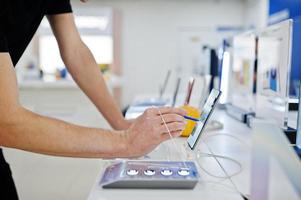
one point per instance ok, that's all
(243, 71)
(238, 76)
(273, 76)
(207, 110)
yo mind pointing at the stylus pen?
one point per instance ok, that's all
(191, 118)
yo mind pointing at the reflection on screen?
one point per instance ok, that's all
(270, 66)
(207, 110)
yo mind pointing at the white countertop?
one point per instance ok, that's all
(234, 141)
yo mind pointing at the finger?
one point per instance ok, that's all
(165, 137)
(170, 110)
(171, 127)
(169, 118)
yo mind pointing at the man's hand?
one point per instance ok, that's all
(149, 130)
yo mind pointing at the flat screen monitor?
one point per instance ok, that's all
(296, 58)
(242, 71)
(273, 76)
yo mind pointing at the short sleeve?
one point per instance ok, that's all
(58, 7)
(3, 43)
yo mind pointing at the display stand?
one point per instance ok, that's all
(151, 175)
(298, 135)
(291, 134)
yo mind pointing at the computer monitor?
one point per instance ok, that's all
(273, 73)
(242, 71)
(296, 58)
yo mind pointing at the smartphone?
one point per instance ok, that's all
(207, 110)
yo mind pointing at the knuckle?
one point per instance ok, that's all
(147, 111)
(151, 111)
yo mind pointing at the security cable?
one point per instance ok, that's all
(226, 173)
(211, 154)
(172, 138)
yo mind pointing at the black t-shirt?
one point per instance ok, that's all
(20, 19)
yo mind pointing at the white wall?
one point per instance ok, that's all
(256, 13)
(150, 34)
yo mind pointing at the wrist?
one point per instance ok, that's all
(122, 142)
(123, 124)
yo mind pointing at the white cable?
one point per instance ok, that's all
(197, 156)
(215, 156)
(211, 154)
(225, 172)
(172, 139)
(221, 157)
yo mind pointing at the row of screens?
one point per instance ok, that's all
(260, 67)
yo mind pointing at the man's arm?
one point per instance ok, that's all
(22, 129)
(84, 70)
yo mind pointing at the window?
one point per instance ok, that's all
(96, 33)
